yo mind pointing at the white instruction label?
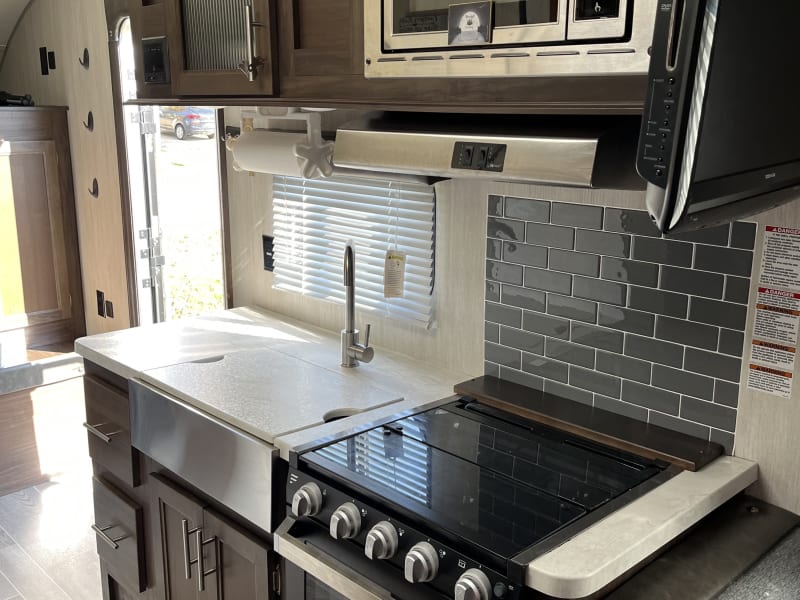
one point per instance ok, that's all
(773, 355)
(777, 316)
(772, 381)
(394, 274)
(780, 261)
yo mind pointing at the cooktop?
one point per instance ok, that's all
(484, 478)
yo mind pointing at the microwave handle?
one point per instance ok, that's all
(340, 577)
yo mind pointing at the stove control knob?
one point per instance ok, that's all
(346, 522)
(382, 541)
(422, 563)
(307, 501)
(473, 585)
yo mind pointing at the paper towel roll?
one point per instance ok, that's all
(265, 151)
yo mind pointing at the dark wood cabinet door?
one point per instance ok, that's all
(321, 37)
(243, 564)
(209, 39)
(175, 508)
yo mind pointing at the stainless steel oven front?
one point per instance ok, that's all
(419, 38)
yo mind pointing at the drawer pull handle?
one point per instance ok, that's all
(187, 563)
(106, 437)
(201, 572)
(101, 531)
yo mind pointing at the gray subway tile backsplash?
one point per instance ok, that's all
(550, 236)
(578, 263)
(550, 281)
(666, 252)
(505, 315)
(724, 314)
(713, 364)
(600, 383)
(570, 353)
(653, 350)
(526, 209)
(550, 326)
(658, 302)
(632, 321)
(687, 281)
(502, 355)
(737, 289)
(629, 221)
(522, 340)
(604, 243)
(630, 271)
(525, 254)
(687, 333)
(724, 260)
(505, 229)
(609, 292)
(577, 215)
(503, 272)
(683, 382)
(724, 438)
(524, 298)
(594, 305)
(651, 398)
(598, 337)
(743, 235)
(572, 308)
(707, 413)
(624, 366)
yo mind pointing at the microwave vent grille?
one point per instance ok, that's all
(215, 34)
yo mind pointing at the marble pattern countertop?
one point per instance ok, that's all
(262, 372)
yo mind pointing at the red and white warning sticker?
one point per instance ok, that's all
(780, 259)
(777, 316)
(773, 381)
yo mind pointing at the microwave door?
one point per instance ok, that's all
(435, 25)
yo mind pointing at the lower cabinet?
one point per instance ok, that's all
(205, 556)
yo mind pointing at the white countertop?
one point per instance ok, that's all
(262, 372)
(276, 378)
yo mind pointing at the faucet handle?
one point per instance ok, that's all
(366, 335)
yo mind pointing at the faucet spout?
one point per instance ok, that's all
(349, 288)
(353, 352)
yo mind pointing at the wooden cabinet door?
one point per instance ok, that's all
(178, 515)
(39, 272)
(208, 40)
(321, 37)
(243, 564)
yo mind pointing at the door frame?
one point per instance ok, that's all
(116, 13)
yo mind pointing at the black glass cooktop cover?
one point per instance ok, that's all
(482, 475)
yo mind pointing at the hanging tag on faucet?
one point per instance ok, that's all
(394, 274)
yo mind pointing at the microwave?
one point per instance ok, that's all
(507, 38)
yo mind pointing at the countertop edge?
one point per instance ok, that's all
(577, 568)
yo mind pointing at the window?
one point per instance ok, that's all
(314, 219)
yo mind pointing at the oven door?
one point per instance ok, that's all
(310, 571)
(424, 24)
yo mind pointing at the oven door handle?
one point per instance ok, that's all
(349, 583)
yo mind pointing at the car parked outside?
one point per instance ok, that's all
(184, 121)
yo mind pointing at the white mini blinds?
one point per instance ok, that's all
(313, 219)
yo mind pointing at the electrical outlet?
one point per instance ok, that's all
(109, 309)
(268, 243)
(101, 304)
(43, 62)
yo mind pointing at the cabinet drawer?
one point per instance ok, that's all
(118, 525)
(108, 425)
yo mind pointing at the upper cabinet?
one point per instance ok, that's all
(317, 52)
(212, 48)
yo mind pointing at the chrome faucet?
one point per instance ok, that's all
(352, 352)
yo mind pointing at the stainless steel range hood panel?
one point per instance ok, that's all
(543, 150)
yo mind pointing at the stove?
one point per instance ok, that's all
(454, 501)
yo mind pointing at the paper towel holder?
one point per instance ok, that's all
(315, 158)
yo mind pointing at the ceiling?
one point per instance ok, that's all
(10, 11)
